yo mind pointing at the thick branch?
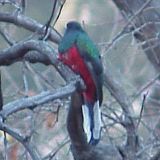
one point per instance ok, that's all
(80, 148)
(35, 101)
(18, 51)
(29, 24)
(119, 94)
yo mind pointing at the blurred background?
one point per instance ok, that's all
(47, 124)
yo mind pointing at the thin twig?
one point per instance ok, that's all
(37, 100)
(1, 94)
(3, 119)
(6, 37)
(23, 140)
(147, 85)
(23, 4)
(142, 108)
(49, 21)
(58, 149)
(53, 153)
(36, 73)
(29, 24)
(62, 4)
(125, 28)
(5, 142)
(25, 82)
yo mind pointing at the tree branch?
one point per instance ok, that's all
(28, 146)
(119, 94)
(80, 148)
(1, 93)
(29, 24)
(130, 21)
(35, 101)
(19, 50)
(47, 25)
(44, 54)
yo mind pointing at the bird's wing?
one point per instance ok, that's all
(98, 80)
(92, 58)
(89, 52)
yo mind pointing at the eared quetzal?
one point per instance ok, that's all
(78, 51)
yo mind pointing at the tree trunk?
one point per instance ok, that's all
(142, 18)
(80, 148)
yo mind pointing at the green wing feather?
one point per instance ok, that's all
(89, 51)
(86, 45)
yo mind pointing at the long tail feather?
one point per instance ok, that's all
(86, 121)
(92, 122)
(97, 121)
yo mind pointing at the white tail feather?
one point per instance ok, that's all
(86, 122)
(97, 121)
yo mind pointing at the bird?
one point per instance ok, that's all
(81, 55)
